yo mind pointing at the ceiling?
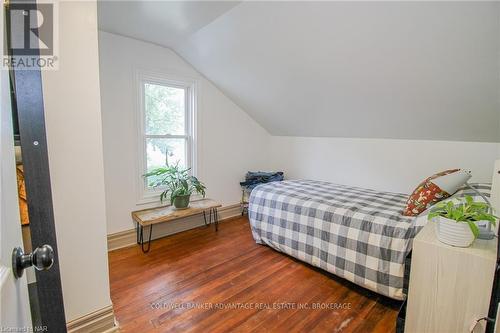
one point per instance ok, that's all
(160, 22)
(404, 70)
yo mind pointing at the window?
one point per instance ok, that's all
(167, 112)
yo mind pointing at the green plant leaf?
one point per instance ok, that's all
(466, 210)
(473, 227)
(433, 215)
(178, 181)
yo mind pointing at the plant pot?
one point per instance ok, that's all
(453, 233)
(182, 201)
(483, 224)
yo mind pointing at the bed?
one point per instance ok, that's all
(355, 233)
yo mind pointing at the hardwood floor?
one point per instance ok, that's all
(190, 281)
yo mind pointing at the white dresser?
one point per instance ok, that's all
(450, 287)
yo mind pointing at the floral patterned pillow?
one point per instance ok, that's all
(426, 194)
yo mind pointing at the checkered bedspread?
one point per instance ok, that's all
(354, 233)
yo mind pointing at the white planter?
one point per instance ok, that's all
(453, 233)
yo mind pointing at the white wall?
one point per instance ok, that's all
(230, 142)
(73, 121)
(384, 164)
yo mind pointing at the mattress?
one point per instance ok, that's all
(355, 233)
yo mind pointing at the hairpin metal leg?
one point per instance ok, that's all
(211, 212)
(205, 219)
(137, 227)
(216, 219)
(141, 238)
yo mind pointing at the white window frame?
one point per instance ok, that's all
(145, 194)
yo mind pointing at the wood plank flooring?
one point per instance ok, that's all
(202, 281)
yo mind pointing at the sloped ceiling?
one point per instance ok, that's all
(406, 70)
(161, 22)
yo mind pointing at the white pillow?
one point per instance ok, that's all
(450, 183)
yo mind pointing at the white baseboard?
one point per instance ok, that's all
(128, 237)
(100, 321)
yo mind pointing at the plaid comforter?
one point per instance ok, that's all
(355, 233)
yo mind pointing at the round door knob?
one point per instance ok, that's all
(42, 258)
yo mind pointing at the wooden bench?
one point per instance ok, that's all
(151, 216)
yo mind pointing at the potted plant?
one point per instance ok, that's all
(179, 184)
(456, 224)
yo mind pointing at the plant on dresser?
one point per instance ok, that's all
(178, 182)
(456, 223)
